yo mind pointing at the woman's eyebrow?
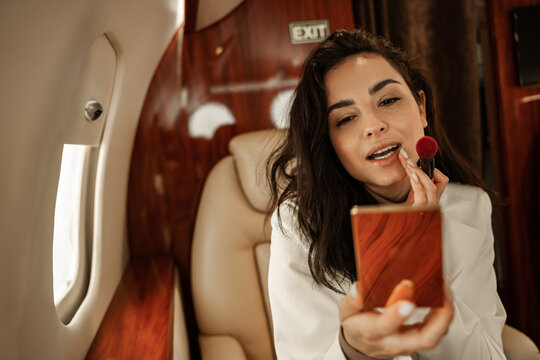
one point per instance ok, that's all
(340, 104)
(372, 90)
(379, 85)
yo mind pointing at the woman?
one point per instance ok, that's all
(357, 113)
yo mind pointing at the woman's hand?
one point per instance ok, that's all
(424, 190)
(383, 335)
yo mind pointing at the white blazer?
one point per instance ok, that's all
(305, 315)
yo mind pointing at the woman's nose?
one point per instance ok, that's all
(376, 127)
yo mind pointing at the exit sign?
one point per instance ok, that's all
(304, 32)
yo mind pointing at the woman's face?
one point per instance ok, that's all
(371, 116)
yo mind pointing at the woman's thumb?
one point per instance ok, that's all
(403, 291)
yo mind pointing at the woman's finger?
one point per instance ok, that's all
(418, 185)
(425, 335)
(417, 194)
(440, 180)
(374, 325)
(436, 323)
(403, 291)
(428, 187)
(433, 188)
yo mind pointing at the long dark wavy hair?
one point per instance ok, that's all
(306, 169)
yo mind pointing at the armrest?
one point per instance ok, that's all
(518, 346)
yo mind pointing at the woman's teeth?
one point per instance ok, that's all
(384, 153)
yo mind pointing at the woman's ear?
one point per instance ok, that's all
(422, 108)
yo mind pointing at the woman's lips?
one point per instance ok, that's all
(385, 156)
(383, 152)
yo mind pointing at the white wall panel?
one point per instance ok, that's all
(43, 45)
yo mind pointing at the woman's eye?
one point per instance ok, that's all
(344, 120)
(389, 101)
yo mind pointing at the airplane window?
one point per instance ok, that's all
(180, 12)
(69, 242)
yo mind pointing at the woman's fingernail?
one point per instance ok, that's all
(353, 291)
(410, 162)
(415, 178)
(407, 282)
(404, 153)
(405, 308)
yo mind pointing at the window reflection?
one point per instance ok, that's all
(205, 121)
(280, 108)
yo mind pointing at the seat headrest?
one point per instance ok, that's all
(250, 152)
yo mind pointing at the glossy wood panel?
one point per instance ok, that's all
(237, 66)
(138, 323)
(149, 211)
(190, 15)
(515, 135)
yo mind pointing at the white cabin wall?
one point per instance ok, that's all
(42, 49)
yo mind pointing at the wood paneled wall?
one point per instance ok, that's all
(514, 123)
(237, 67)
(139, 322)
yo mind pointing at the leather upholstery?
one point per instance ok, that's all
(518, 346)
(250, 152)
(230, 238)
(231, 250)
(221, 347)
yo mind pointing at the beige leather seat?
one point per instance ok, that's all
(230, 259)
(517, 345)
(231, 247)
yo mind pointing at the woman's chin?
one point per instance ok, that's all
(397, 180)
(392, 189)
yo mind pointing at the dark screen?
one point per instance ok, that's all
(527, 39)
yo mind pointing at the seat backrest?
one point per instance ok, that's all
(231, 248)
